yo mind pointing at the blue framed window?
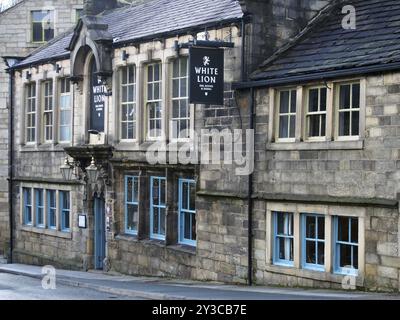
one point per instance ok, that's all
(187, 212)
(27, 194)
(131, 204)
(283, 239)
(51, 209)
(65, 210)
(346, 245)
(313, 241)
(157, 207)
(39, 207)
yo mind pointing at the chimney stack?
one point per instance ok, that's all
(95, 7)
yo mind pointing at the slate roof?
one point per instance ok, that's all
(148, 20)
(327, 47)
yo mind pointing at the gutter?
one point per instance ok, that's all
(317, 76)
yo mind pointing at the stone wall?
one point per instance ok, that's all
(15, 40)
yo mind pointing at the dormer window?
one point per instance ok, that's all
(42, 26)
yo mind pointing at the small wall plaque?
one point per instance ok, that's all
(82, 221)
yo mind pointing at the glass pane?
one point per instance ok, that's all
(321, 228)
(124, 75)
(48, 32)
(354, 230)
(175, 90)
(313, 100)
(322, 99)
(65, 134)
(345, 255)
(310, 227)
(40, 216)
(292, 127)
(323, 125)
(321, 253)
(187, 226)
(129, 189)
(157, 72)
(131, 71)
(344, 123)
(184, 67)
(310, 252)
(175, 67)
(150, 73)
(157, 92)
(344, 99)
(283, 126)
(355, 123)
(136, 190)
(162, 221)
(185, 192)
(285, 249)
(37, 32)
(132, 217)
(155, 191)
(192, 195)
(314, 126)
(280, 223)
(293, 101)
(66, 219)
(131, 94)
(175, 109)
(184, 88)
(284, 102)
(162, 192)
(184, 107)
(194, 233)
(355, 257)
(343, 229)
(356, 96)
(155, 221)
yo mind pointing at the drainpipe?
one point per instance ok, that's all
(250, 201)
(11, 161)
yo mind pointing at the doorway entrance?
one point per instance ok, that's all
(99, 232)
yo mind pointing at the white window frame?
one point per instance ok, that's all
(48, 98)
(147, 102)
(60, 109)
(289, 114)
(125, 103)
(190, 107)
(30, 102)
(308, 114)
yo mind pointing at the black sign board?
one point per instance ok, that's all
(206, 76)
(97, 101)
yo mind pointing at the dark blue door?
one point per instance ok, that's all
(99, 233)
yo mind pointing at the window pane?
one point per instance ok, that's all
(356, 96)
(354, 230)
(184, 196)
(162, 221)
(321, 253)
(344, 123)
(323, 99)
(284, 127)
(293, 101)
(310, 227)
(344, 102)
(192, 194)
(310, 252)
(323, 125)
(285, 246)
(187, 226)
(129, 189)
(132, 217)
(355, 257)
(155, 221)
(343, 229)
(175, 68)
(175, 86)
(355, 123)
(37, 32)
(345, 255)
(184, 67)
(321, 228)
(314, 126)
(292, 126)
(194, 233)
(313, 100)
(284, 102)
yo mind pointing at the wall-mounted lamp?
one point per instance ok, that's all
(67, 170)
(125, 55)
(92, 172)
(28, 75)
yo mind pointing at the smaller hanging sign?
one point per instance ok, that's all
(206, 76)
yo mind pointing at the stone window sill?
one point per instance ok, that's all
(47, 232)
(312, 275)
(316, 145)
(47, 147)
(127, 237)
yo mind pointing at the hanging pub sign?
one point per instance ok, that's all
(206, 76)
(97, 101)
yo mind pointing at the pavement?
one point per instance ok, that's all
(172, 289)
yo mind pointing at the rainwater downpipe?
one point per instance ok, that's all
(11, 161)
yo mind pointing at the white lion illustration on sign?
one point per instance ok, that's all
(206, 61)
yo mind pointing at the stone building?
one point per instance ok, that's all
(25, 26)
(320, 208)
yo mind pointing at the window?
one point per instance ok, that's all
(187, 212)
(31, 112)
(349, 110)
(346, 247)
(313, 242)
(284, 239)
(27, 194)
(78, 14)
(154, 101)
(287, 115)
(39, 198)
(42, 26)
(48, 110)
(316, 113)
(157, 207)
(180, 121)
(131, 204)
(128, 103)
(51, 208)
(65, 110)
(65, 208)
